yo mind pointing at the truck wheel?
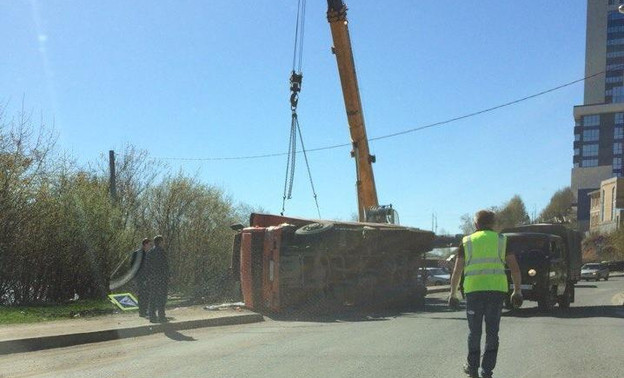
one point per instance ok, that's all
(607, 278)
(314, 228)
(419, 302)
(565, 300)
(546, 302)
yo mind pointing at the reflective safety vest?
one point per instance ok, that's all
(484, 266)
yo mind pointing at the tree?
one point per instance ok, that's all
(467, 224)
(62, 234)
(560, 208)
(512, 214)
(24, 154)
(195, 220)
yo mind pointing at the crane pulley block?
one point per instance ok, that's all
(336, 11)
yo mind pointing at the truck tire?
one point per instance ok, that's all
(565, 300)
(607, 278)
(546, 302)
(419, 302)
(314, 228)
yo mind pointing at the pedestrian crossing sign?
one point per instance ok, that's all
(125, 301)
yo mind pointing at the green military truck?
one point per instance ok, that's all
(549, 257)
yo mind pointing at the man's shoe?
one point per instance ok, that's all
(163, 320)
(486, 375)
(153, 320)
(470, 371)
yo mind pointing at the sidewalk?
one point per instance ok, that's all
(17, 338)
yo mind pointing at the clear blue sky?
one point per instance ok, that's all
(209, 79)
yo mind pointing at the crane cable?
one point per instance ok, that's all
(296, 78)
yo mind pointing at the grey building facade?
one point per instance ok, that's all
(599, 122)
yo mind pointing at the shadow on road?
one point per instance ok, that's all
(177, 336)
(585, 286)
(570, 313)
(329, 314)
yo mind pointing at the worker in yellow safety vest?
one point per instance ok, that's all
(481, 258)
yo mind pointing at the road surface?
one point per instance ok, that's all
(584, 341)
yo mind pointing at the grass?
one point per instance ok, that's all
(70, 310)
(41, 313)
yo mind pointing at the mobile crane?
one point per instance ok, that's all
(368, 205)
(285, 262)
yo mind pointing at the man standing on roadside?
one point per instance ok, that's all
(157, 266)
(138, 257)
(482, 257)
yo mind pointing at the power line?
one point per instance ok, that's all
(408, 131)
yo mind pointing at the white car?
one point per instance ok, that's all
(438, 276)
(594, 271)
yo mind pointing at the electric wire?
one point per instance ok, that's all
(392, 135)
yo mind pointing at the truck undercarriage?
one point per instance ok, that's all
(288, 262)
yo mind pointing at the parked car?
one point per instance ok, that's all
(438, 276)
(594, 271)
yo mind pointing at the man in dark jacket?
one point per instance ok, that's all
(157, 266)
(138, 258)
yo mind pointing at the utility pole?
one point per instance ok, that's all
(112, 183)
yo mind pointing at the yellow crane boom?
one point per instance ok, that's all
(365, 184)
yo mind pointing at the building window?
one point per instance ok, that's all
(591, 120)
(577, 151)
(576, 165)
(617, 148)
(589, 163)
(591, 135)
(619, 118)
(590, 150)
(617, 163)
(577, 137)
(615, 29)
(617, 93)
(615, 15)
(615, 42)
(614, 79)
(618, 132)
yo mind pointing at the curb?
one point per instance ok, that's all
(438, 289)
(60, 341)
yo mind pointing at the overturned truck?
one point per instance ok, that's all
(285, 263)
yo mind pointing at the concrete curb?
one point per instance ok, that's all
(60, 341)
(438, 289)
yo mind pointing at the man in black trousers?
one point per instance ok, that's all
(138, 257)
(157, 266)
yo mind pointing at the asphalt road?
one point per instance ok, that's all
(584, 341)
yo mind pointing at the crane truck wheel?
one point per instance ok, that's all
(314, 228)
